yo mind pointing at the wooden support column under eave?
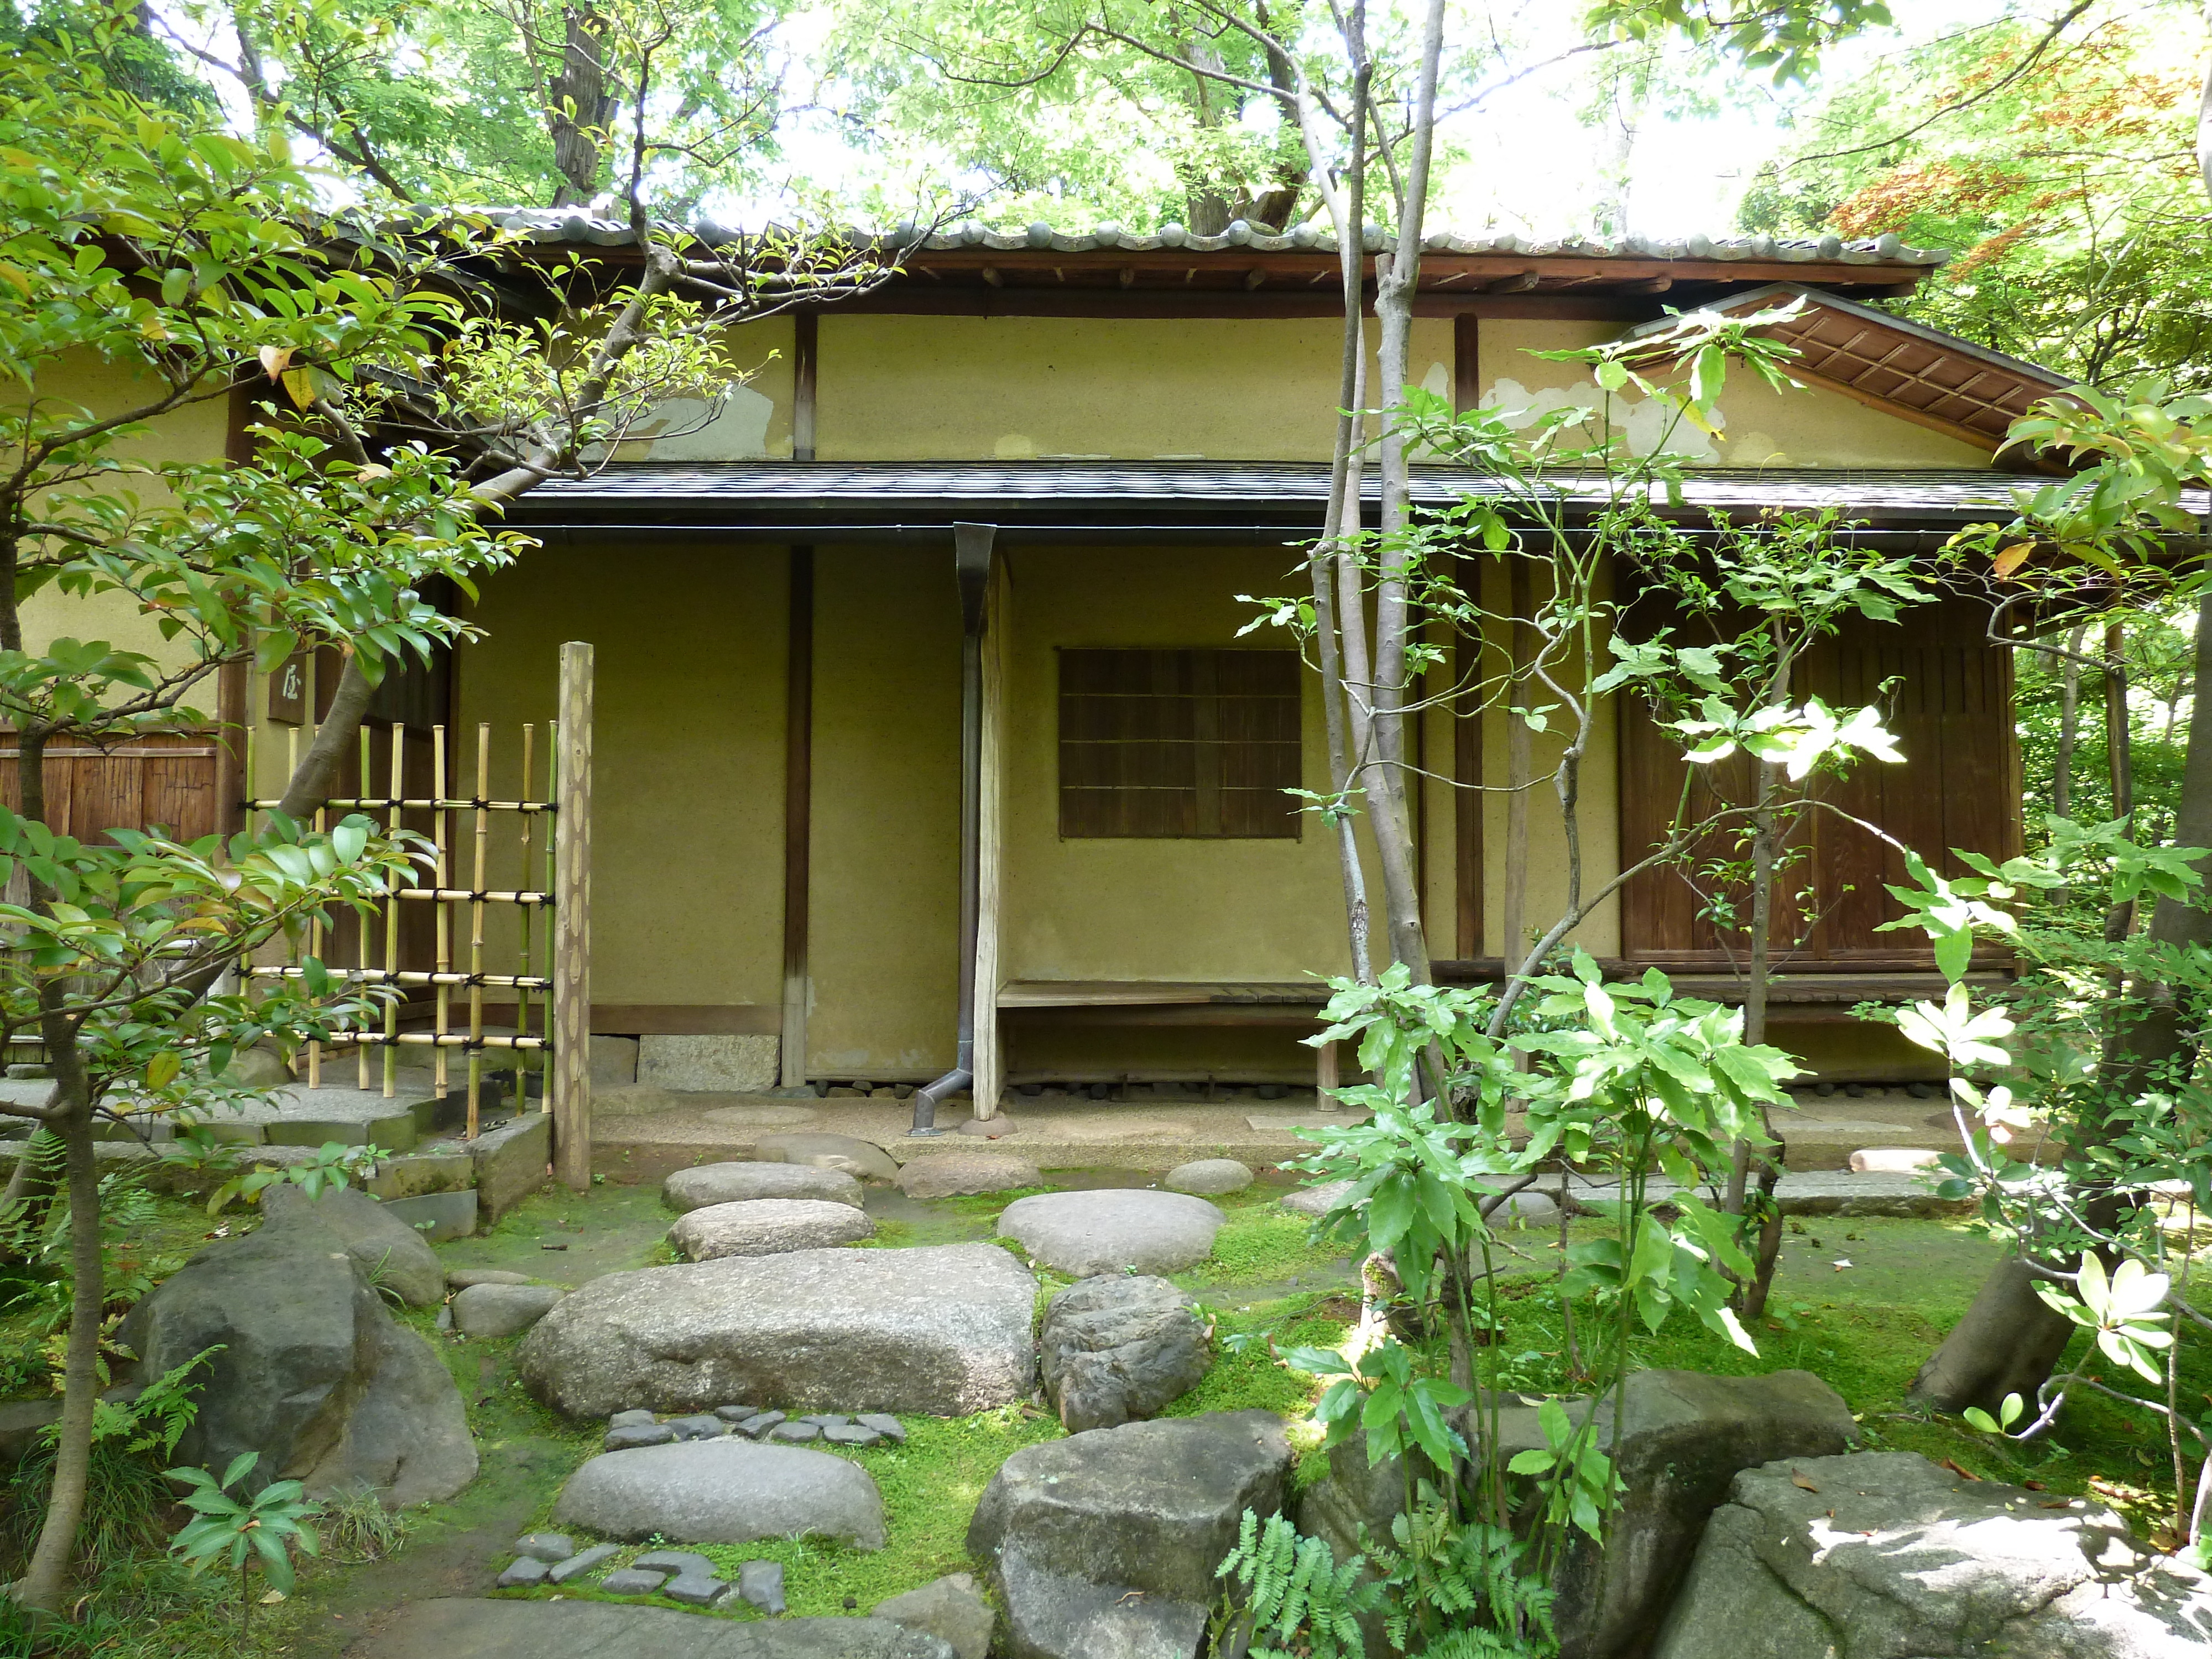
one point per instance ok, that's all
(990, 1056)
(798, 814)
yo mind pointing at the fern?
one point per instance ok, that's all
(1455, 1589)
(1292, 1594)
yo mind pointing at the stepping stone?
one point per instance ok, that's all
(678, 1561)
(951, 1174)
(1113, 1229)
(1208, 1175)
(851, 1434)
(826, 1419)
(476, 1628)
(767, 1226)
(629, 1581)
(577, 1565)
(761, 1582)
(736, 1413)
(1317, 1200)
(951, 1609)
(737, 1184)
(547, 1547)
(757, 1426)
(630, 1420)
(638, 1434)
(522, 1573)
(884, 1424)
(725, 1491)
(794, 1434)
(697, 1428)
(695, 1591)
(861, 1158)
(460, 1278)
(502, 1310)
(943, 1330)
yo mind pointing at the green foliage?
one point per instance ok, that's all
(262, 1530)
(354, 1526)
(1456, 1589)
(1287, 1597)
(1784, 37)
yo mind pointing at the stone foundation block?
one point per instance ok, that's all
(727, 1065)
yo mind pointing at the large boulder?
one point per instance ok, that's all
(391, 1253)
(1686, 1436)
(767, 1226)
(943, 1330)
(950, 1607)
(1883, 1554)
(456, 1628)
(862, 1159)
(723, 1491)
(1115, 1349)
(1105, 1543)
(1113, 1229)
(313, 1373)
(736, 1183)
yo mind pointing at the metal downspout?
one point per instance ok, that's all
(971, 564)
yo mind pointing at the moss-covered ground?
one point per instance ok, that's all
(1864, 1327)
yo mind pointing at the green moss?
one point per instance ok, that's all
(1256, 1378)
(1264, 1245)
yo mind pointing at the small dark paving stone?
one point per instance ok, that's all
(701, 1427)
(523, 1572)
(736, 1413)
(851, 1434)
(630, 1420)
(628, 1580)
(826, 1419)
(693, 1591)
(758, 1426)
(678, 1561)
(761, 1582)
(795, 1432)
(547, 1547)
(638, 1434)
(884, 1424)
(577, 1565)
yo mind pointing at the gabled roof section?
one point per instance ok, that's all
(1250, 270)
(1903, 367)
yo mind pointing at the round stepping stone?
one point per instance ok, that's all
(767, 1226)
(860, 1159)
(1209, 1174)
(736, 1183)
(1317, 1200)
(504, 1310)
(725, 1491)
(1113, 1229)
(952, 1175)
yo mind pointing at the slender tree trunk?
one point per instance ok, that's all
(2119, 762)
(2070, 724)
(1520, 767)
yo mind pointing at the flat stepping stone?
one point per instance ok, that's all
(958, 1174)
(1208, 1175)
(688, 1561)
(883, 1424)
(522, 1572)
(723, 1491)
(736, 1183)
(1113, 1229)
(630, 1420)
(502, 1310)
(1317, 1200)
(943, 1330)
(633, 1435)
(757, 1425)
(633, 1581)
(794, 1434)
(705, 1427)
(455, 1628)
(460, 1278)
(862, 1159)
(547, 1547)
(767, 1226)
(761, 1582)
(578, 1565)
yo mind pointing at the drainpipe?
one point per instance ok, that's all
(971, 566)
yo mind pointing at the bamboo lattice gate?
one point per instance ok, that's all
(444, 970)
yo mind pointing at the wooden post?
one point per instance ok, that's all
(1324, 1074)
(797, 810)
(571, 925)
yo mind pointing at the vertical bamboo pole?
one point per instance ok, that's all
(571, 924)
(315, 950)
(440, 833)
(392, 922)
(476, 927)
(523, 920)
(361, 923)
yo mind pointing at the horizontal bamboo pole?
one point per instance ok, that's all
(411, 976)
(463, 896)
(438, 1040)
(426, 804)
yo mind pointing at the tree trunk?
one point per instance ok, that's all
(582, 104)
(2070, 724)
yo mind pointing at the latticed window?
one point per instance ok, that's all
(1179, 743)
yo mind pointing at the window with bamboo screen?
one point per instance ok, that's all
(1198, 743)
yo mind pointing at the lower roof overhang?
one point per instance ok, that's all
(1107, 501)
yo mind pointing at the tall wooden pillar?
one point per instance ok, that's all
(797, 816)
(572, 923)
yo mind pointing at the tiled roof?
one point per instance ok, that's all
(1094, 499)
(573, 225)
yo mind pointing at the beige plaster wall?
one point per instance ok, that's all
(687, 823)
(884, 898)
(1143, 909)
(1022, 388)
(1813, 427)
(755, 421)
